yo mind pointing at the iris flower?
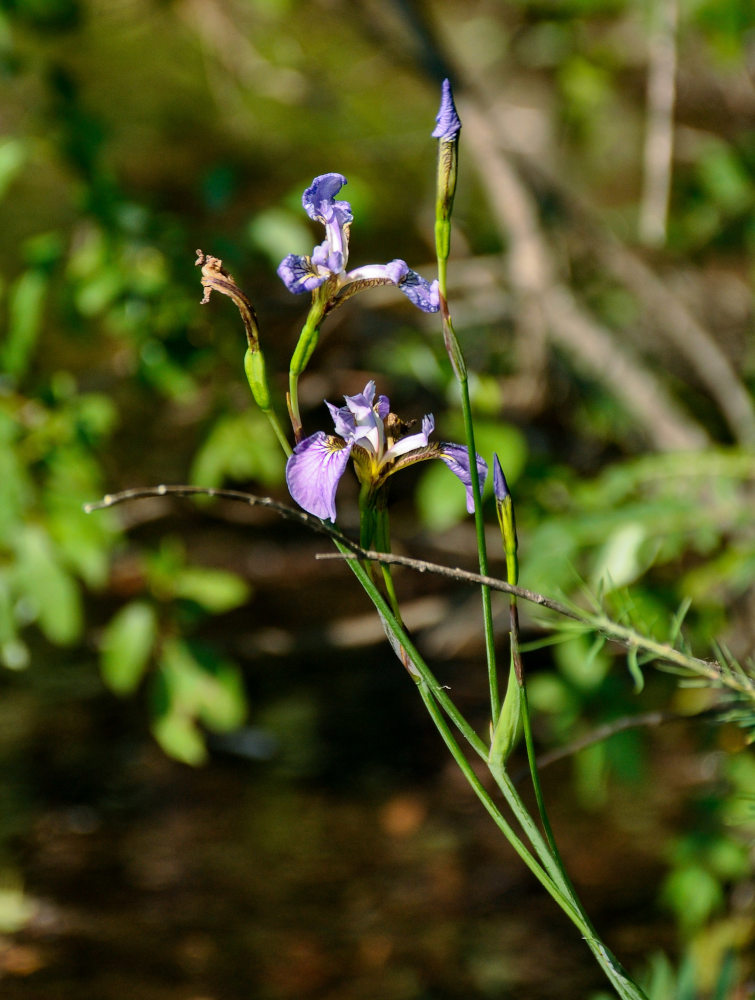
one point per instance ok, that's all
(326, 267)
(378, 442)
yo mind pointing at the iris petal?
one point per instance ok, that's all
(298, 274)
(413, 442)
(314, 471)
(421, 292)
(319, 200)
(456, 457)
(394, 272)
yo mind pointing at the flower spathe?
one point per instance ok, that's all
(325, 267)
(378, 443)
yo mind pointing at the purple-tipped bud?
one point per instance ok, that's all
(504, 507)
(447, 123)
(500, 486)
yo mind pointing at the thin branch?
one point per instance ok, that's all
(534, 279)
(666, 311)
(711, 670)
(599, 735)
(286, 512)
(659, 127)
(454, 573)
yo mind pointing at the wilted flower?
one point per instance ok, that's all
(379, 444)
(326, 266)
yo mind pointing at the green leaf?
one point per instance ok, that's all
(693, 894)
(49, 591)
(583, 661)
(24, 320)
(127, 644)
(239, 447)
(12, 158)
(179, 737)
(216, 590)
(619, 561)
(195, 684)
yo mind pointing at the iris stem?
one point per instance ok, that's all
(448, 148)
(272, 416)
(459, 367)
(548, 869)
(400, 635)
(305, 346)
(383, 540)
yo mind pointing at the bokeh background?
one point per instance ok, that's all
(217, 782)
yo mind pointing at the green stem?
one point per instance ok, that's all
(487, 608)
(383, 540)
(466, 768)
(401, 638)
(272, 416)
(458, 365)
(305, 346)
(551, 877)
(623, 984)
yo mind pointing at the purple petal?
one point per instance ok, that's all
(319, 203)
(361, 404)
(343, 421)
(298, 274)
(318, 199)
(313, 473)
(394, 272)
(456, 457)
(447, 123)
(383, 407)
(422, 293)
(326, 257)
(500, 486)
(369, 431)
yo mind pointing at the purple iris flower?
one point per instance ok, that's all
(327, 262)
(379, 444)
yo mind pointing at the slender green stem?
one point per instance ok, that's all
(445, 190)
(532, 863)
(532, 760)
(305, 346)
(458, 365)
(550, 877)
(553, 865)
(384, 545)
(487, 608)
(548, 870)
(272, 416)
(400, 636)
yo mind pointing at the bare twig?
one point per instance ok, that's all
(659, 126)
(667, 313)
(286, 512)
(533, 276)
(736, 680)
(599, 735)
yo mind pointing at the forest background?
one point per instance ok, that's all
(217, 781)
